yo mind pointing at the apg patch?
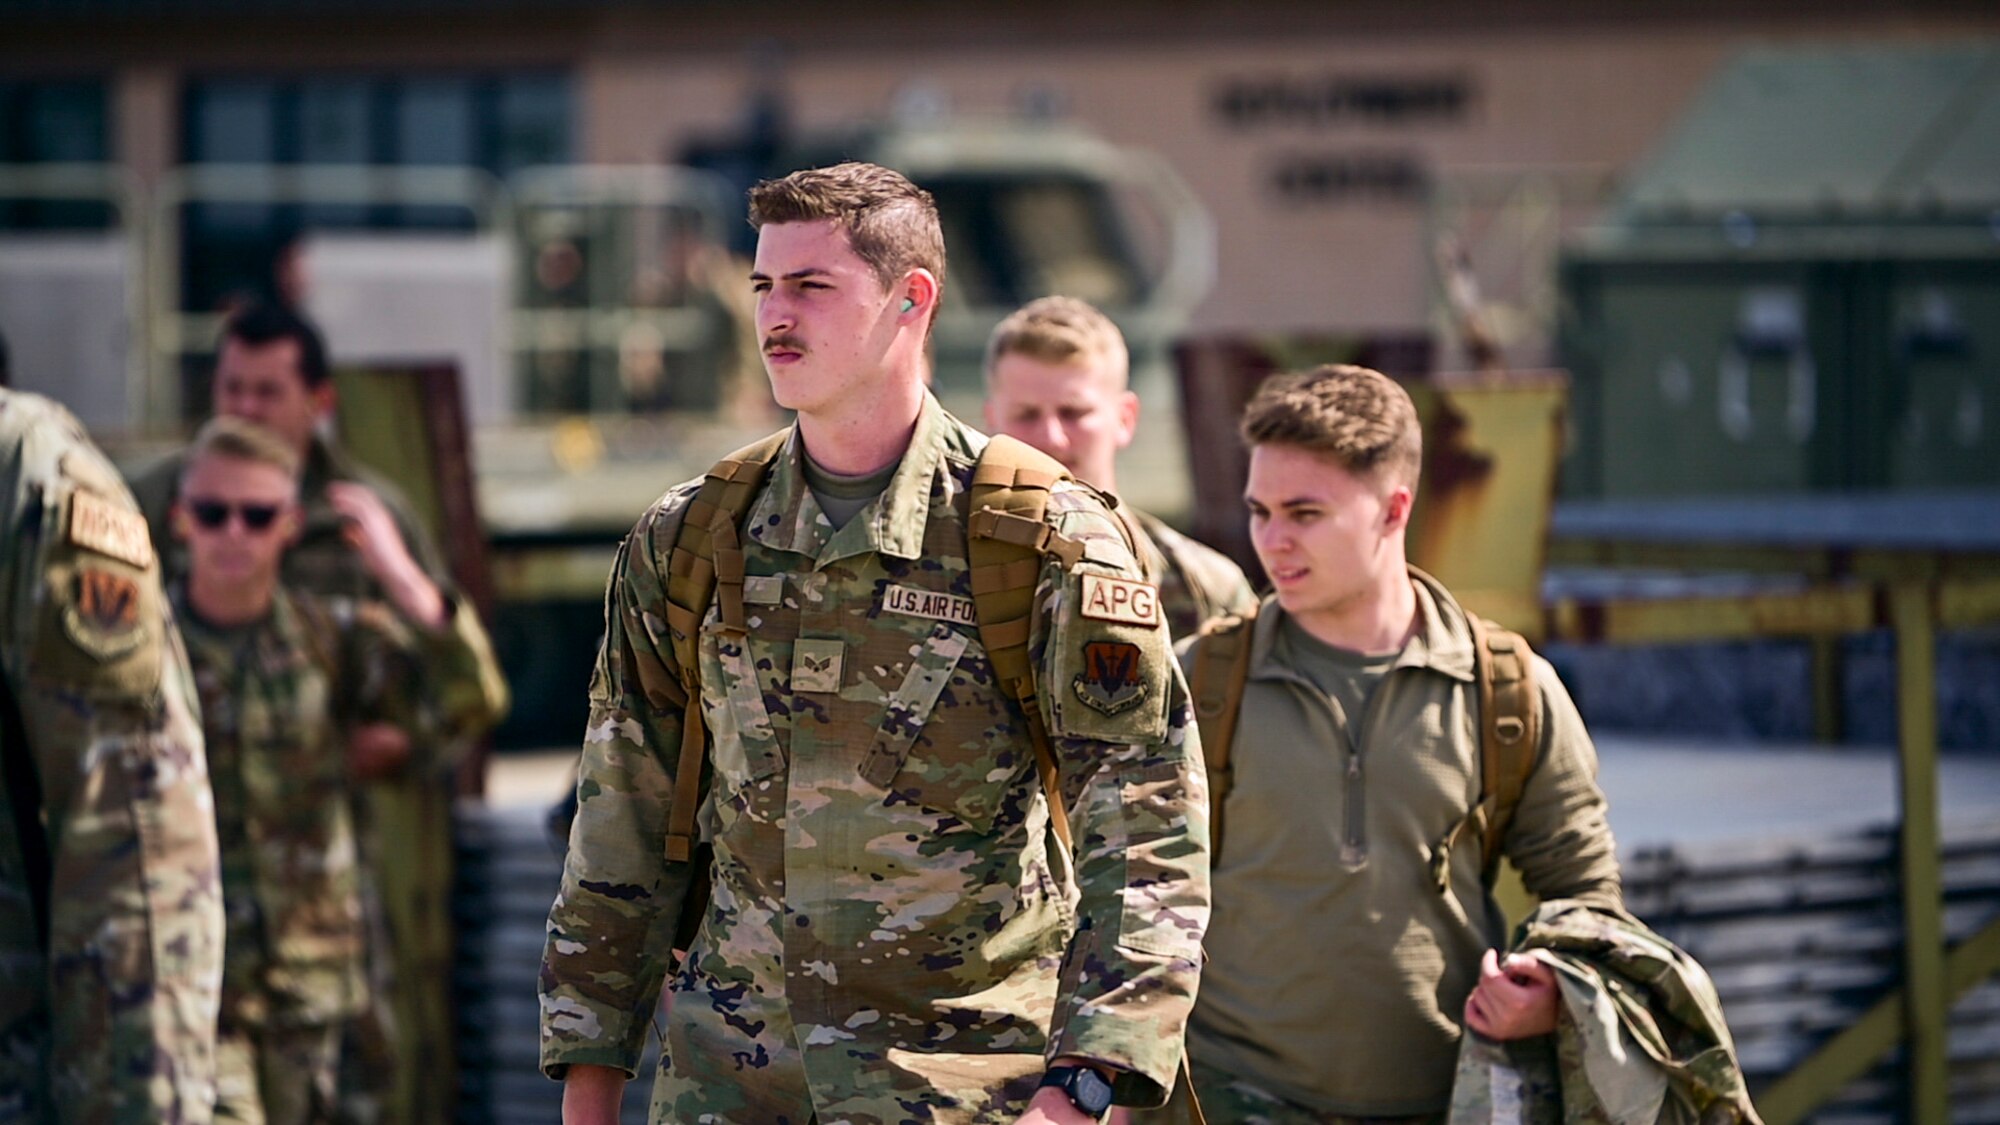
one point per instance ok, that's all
(1110, 682)
(97, 524)
(1120, 600)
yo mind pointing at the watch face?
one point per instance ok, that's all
(1090, 1092)
(1087, 1090)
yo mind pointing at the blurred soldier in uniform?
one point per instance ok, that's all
(110, 897)
(272, 370)
(1057, 377)
(1355, 929)
(894, 932)
(299, 694)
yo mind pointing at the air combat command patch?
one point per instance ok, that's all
(1110, 682)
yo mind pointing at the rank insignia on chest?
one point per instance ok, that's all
(1110, 682)
(1119, 599)
(816, 665)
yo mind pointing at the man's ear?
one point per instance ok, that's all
(1396, 508)
(293, 523)
(325, 398)
(1128, 417)
(177, 521)
(920, 291)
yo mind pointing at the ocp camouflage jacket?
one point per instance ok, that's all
(278, 700)
(108, 982)
(893, 933)
(1640, 1037)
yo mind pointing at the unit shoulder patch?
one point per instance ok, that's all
(103, 617)
(108, 601)
(1125, 601)
(1110, 682)
(99, 525)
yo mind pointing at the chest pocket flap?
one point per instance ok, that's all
(964, 779)
(743, 741)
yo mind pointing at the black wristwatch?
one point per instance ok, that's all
(1086, 1089)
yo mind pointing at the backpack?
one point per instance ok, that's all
(1007, 540)
(1510, 727)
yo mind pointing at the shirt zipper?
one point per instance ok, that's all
(1355, 851)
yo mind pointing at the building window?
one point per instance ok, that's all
(50, 122)
(495, 122)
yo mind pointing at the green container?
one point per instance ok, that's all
(1723, 373)
(1799, 288)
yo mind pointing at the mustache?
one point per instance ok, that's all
(783, 340)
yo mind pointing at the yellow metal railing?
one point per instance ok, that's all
(1915, 608)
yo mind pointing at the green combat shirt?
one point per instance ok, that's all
(278, 697)
(111, 958)
(893, 935)
(1337, 970)
(1197, 582)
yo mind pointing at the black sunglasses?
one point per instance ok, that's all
(212, 514)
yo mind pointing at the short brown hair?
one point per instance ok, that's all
(891, 223)
(225, 436)
(1058, 330)
(1362, 419)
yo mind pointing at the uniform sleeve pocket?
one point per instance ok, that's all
(1162, 864)
(101, 619)
(1108, 677)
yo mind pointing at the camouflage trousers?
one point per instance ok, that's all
(1228, 1100)
(367, 1080)
(275, 1075)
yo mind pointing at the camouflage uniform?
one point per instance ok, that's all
(323, 563)
(277, 697)
(1197, 582)
(1640, 1036)
(108, 986)
(892, 935)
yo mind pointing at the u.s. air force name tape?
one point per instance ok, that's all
(936, 606)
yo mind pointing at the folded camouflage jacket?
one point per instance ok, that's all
(1640, 1037)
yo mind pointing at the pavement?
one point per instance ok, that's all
(1683, 792)
(1662, 791)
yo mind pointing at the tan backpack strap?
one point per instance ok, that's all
(1510, 728)
(1007, 534)
(707, 556)
(687, 784)
(1221, 674)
